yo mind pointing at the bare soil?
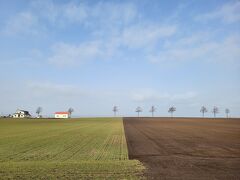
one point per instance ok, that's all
(185, 148)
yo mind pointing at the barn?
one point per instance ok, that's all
(61, 114)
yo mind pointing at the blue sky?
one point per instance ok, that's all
(91, 55)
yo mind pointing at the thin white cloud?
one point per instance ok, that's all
(47, 89)
(134, 37)
(191, 40)
(113, 13)
(68, 54)
(75, 13)
(41, 15)
(24, 23)
(192, 49)
(227, 13)
(144, 35)
(85, 13)
(60, 13)
(118, 22)
(149, 95)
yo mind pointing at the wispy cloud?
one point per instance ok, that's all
(47, 89)
(111, 28)
(138, 36)
(24, 23)
(67, 54)
(227, 13)
(62, 13)
(43, 14)
(145, 35)
(85, 13)
(149, 95)
(195, 49)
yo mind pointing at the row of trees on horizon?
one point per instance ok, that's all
(152, 110)
(172, 109)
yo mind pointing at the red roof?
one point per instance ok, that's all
(61, 112)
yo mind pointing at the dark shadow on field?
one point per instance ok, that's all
(185, 148)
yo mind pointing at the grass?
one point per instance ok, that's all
(65, 149)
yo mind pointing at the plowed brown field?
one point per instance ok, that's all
(185, 148)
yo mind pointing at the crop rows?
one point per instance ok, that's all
(35, 148)
(103, 140)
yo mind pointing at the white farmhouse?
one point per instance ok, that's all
(21, 114)
(61, 114)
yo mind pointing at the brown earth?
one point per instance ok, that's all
(185, 148)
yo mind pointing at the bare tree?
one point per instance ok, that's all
(203, 110)
(215, 111)
(227, 111)
(138, 110)
(172, 110)
(38, 111)
(115, 110)
(152, 110)
(70, 111)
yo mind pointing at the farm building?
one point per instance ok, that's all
(21, 114)
(61, 114)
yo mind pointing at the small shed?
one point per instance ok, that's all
(61, 114)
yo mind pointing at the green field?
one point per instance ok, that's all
(65, 149)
